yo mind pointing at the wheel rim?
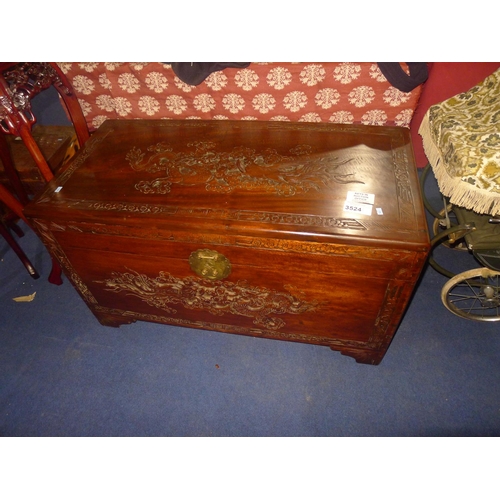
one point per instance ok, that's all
(474, 294)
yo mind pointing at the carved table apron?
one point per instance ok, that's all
(306, 232)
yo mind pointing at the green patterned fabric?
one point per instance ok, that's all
(461, 138)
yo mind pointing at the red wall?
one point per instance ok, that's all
(445, 80)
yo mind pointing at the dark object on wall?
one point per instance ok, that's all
(397, 77)
(194, 73)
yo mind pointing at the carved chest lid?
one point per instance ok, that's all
(279, 178)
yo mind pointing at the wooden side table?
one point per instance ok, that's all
(19, 83)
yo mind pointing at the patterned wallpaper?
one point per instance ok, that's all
(303, 92)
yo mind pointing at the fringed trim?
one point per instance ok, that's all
(459, 192)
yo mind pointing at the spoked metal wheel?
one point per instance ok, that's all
(474, 294)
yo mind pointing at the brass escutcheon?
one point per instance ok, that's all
(210, 264)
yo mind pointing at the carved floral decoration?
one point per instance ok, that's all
(240, 168)
(216, 297)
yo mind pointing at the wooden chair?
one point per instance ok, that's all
(19, 83)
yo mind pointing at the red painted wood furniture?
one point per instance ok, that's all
(19, 83)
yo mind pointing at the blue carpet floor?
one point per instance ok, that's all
(64, 374)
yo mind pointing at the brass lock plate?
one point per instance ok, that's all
(210, 264)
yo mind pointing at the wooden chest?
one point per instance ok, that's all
(306, 232)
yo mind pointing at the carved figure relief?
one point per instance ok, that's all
(240, 168)
(216, 297)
